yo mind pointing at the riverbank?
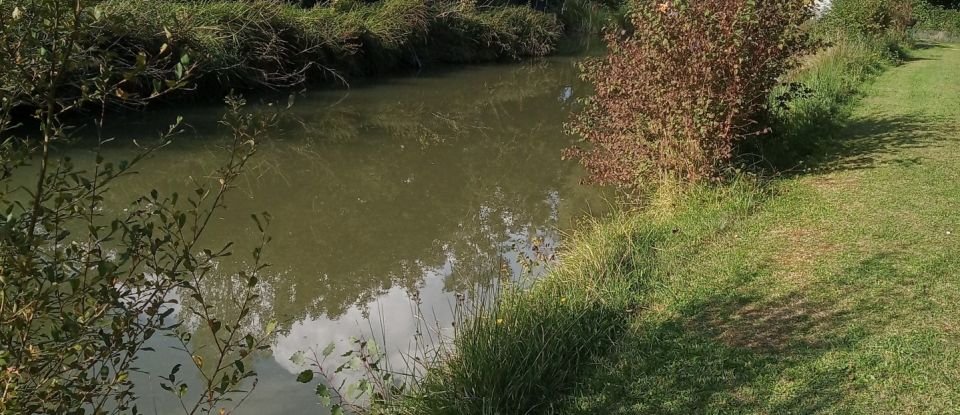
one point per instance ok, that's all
(269, 44)
(827, 288)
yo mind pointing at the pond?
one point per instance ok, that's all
(388, 199)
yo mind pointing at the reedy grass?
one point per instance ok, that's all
(264, 42)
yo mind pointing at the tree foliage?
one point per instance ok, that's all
(870, 17)
(83, 290)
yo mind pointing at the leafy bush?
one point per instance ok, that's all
(83, 289)
(936, 21)
(869, 17)
(692, 79)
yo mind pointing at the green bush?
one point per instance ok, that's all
(828, 82)
(937, 22)
(869, 17)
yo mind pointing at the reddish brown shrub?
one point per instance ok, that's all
(690, 79)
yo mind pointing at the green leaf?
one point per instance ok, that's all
(327, 351)
(305, 377)
(323, 392)
(298, 358)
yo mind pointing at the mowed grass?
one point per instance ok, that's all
(834, 290)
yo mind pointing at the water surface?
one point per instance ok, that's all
(419, 187)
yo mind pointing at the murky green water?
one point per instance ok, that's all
(414, 187)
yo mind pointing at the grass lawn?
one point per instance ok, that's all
(837, 290)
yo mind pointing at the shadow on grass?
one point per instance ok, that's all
(923, 45)
(859, 143)
(736, 352)
(819, 132)
(711, 358)
(872, 142)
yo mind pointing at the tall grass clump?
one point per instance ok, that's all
(814, 101)
(231, 44)
(578, 16)
(464, 33)
(234, 43)
(523, 353)
(688, 82)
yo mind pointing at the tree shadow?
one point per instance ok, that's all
(923, 45)
(911, 58)
(872, 142)
(705, 361)
(826, 145)
(736, 352)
